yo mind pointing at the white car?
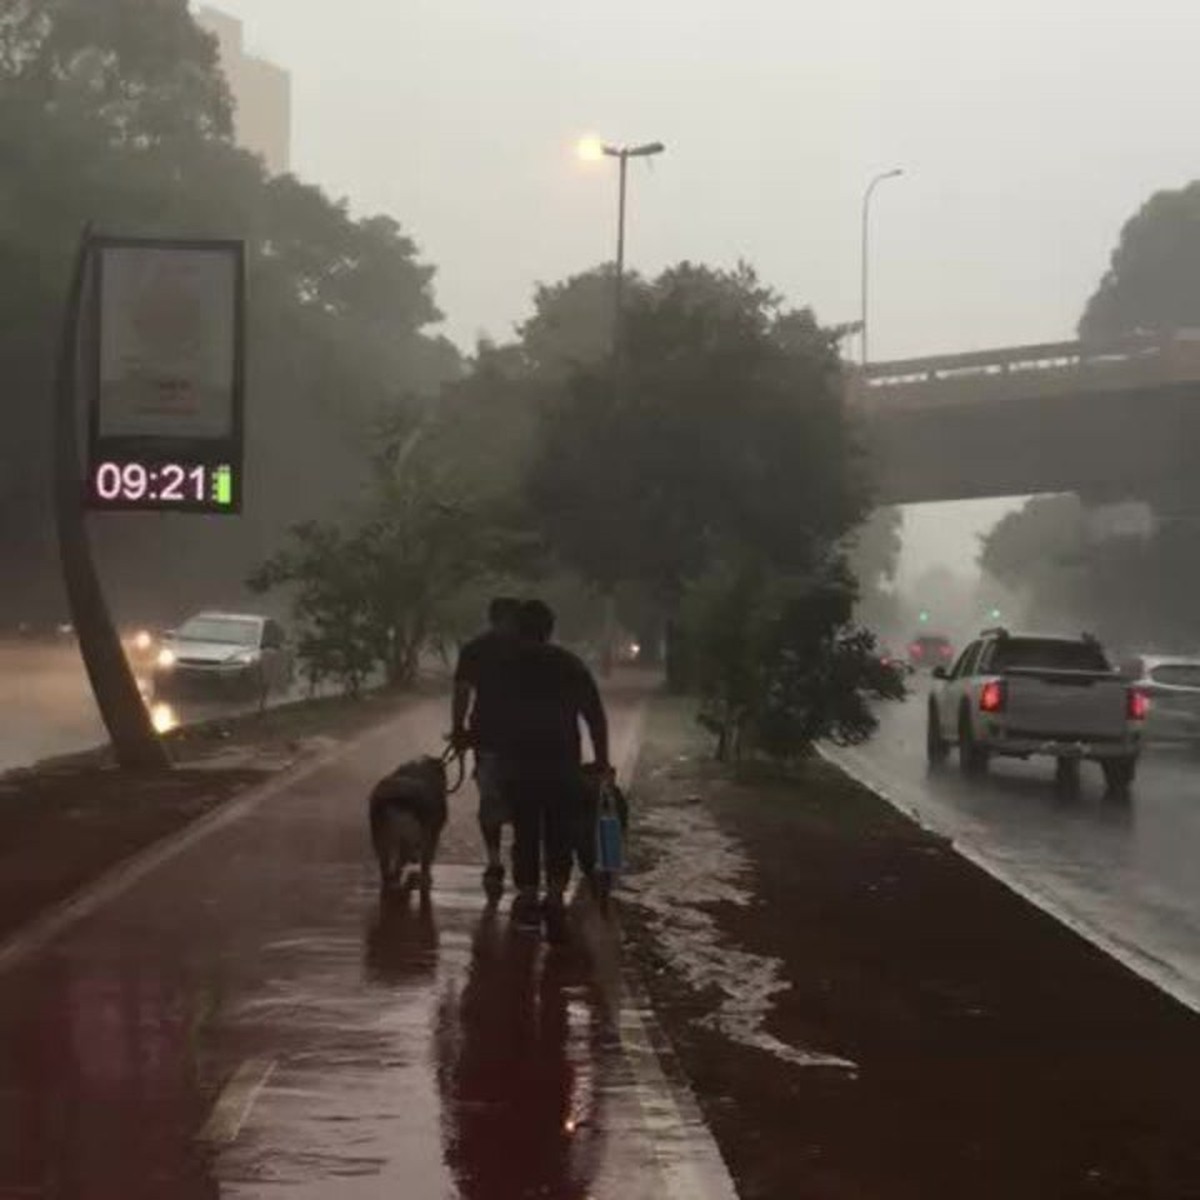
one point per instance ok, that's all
(1021, 696)
(220, 654)
(1173, 686)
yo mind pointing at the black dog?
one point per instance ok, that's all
(408, 812)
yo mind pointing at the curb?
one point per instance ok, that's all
(1146, 966)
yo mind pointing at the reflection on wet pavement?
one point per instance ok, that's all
(697, 866)
(248, 1020)
(521, 1073)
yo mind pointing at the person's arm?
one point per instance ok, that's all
(460, 704)
(591, 708)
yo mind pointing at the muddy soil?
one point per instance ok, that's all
(863, 1014)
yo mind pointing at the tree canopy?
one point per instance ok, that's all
(1153, 281)
(114, 112)
(727, 429)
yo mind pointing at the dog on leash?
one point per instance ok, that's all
(408, 811)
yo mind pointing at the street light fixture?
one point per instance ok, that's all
(866, 213)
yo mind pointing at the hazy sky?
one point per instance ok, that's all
(1029, 131)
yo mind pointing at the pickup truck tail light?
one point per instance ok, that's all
(1139, 704)
(992, 697)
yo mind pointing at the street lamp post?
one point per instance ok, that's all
(593, 150)
(622, 154)
(866, 214)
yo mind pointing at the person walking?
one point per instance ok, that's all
(482, 686)
(550, 690)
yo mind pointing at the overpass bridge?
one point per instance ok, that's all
(1112, 422)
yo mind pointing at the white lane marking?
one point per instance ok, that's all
(236, 1101)
(1141, 962)
(115, 883)
(689, 1160)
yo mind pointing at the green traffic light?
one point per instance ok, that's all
(995, 614)
(924, 617)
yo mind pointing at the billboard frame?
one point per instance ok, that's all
(153, 452)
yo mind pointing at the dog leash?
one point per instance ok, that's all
(449, 755)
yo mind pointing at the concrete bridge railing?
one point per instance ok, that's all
(1025, 372)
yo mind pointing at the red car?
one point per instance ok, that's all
(929, 650)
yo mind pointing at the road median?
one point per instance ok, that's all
(862, 1012)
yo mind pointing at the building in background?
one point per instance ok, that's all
(262, 93)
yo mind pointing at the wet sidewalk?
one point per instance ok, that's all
(242, 1017)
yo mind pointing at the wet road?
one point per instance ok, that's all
(1125, 874)
(244, 1019)
(47, 708)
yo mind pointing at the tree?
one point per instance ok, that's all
(778, 663)
(371, 596)
(873, 553)
(114, 111)
(717, 483)
(1153, 281)
(572, 323)
(729, 428)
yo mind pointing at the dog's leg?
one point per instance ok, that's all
(428, 850)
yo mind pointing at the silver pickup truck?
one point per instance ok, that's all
(1021, 696)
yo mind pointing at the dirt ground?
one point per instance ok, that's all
(863, 1014)
(66, 822)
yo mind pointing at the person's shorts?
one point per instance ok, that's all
(494, 808)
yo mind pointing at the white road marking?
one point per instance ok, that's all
(1150, 968)
(236, 1101)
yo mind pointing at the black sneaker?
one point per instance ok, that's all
(555, 916)
(493, 882)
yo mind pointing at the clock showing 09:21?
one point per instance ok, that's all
(163, 486)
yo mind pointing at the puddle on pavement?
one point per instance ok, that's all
(697, 865)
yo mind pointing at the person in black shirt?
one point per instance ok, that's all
(549, 690)
(481, 688)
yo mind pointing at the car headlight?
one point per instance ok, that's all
(166, 658)
(246, 658)
(142, 641)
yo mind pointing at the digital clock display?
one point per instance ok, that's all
(164, 486)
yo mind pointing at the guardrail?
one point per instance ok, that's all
(1024, 371)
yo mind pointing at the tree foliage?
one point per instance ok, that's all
(716, 478)
(114, 112)
(1153, 281)
(370, 595)
(727, 427)
(778, 664)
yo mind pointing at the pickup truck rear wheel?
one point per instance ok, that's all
(972, 757)
(937, 749)
(1119, 774)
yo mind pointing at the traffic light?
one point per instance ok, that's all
(924, 617)
(994, 614)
